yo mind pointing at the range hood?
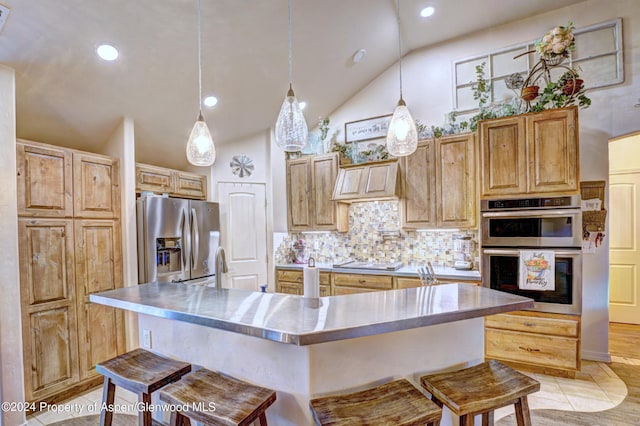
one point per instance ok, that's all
(368, 182)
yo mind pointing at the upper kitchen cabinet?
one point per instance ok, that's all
(438, 182)
(95, 186)
(530, 154)
(310, 183)
(368, 182)
(176, 183)
(418, 205)
(45, 180)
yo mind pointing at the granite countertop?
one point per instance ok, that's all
(442, 272)
(304, 321)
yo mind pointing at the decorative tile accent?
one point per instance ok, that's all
(368, 240)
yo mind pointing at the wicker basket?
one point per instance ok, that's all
(593, 221)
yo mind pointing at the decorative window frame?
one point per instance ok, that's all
(530, 59)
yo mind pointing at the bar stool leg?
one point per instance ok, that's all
(487, 418)
(178, 419)
(523, 417)
(108, 395)
(263, 419)
(144, 418)
(466, 420)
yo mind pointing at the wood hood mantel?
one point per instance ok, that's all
(368, 182)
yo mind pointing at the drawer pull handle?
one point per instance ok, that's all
(530, 324)
(299, 279)
(529, 349)
(362, 281)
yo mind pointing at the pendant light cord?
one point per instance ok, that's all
(399, 44)
(199, 63)
(290, 47)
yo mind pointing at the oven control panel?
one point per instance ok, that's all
(571, 201)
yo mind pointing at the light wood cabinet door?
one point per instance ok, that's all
(455, 181)
(190, 185)
(418, 205)
(503, 156)
(96, 186)
(552, 142)
(299, 202)
(98, 268)
(45, 180)
(154, 179)
(47, 292)
(327, 214)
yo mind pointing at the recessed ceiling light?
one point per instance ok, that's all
(359, 55)
(107, 52)
(427, 11)
(303, 105)
(210, 101)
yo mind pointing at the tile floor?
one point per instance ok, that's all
(595, 388)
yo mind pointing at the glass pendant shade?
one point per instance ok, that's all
(402, 137)
(291, 127)
(200, 149)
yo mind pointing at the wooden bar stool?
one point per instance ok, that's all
(481, 389)
(141, 372)
(396, 403)
(216, 399)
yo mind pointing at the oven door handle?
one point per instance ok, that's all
(517, 252)
(533, 213)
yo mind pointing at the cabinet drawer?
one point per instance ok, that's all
(296, 276)
(549, 351)
(383, 282)
(408, 282)
(533, 324)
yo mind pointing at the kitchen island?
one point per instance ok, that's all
(304, 348)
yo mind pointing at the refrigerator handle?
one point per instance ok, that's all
(195, 239)
(183, 250)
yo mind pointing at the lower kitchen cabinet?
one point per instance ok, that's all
(535, 341)
(98, 268)
(291, 282)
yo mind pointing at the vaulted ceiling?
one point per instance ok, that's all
(66, 95)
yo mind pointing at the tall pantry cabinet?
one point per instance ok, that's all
(69, 246)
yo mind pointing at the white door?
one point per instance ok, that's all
(244, 234)
(624, 270)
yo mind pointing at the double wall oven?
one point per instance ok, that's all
(550, 224)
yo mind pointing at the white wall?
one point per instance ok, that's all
(121, 145)
(427, 81)
(11, 372)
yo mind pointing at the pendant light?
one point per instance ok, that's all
(200, 148)
(291, 126)
(402, 136)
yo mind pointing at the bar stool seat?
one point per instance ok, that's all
(216, 399)
(397, 403)
(138, 371)
(481, 389)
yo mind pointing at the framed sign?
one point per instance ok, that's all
(367, 129)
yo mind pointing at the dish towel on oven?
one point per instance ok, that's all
(537, 270)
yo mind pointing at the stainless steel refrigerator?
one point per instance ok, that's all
(177, 239)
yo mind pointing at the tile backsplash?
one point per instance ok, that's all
(375, 236)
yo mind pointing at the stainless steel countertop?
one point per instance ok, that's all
(405, 271)
(303, 321)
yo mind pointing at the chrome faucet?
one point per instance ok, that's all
(221, 266)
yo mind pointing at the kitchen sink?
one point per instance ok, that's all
(369, 265)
